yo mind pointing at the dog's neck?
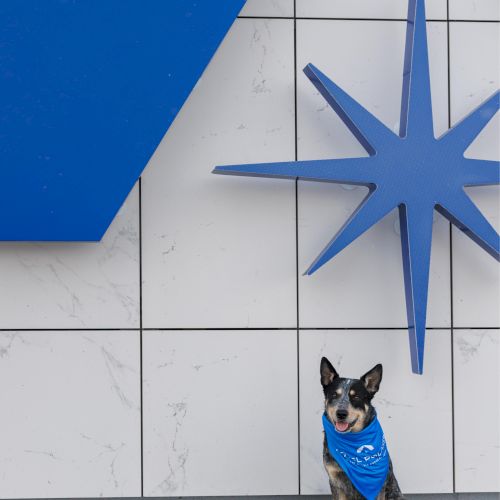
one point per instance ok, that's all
(370, 415)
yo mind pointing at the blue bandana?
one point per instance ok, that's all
(363, 456)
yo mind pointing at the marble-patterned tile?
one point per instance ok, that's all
(366, 9)
(475, 75)
(477, 411)
(74, 285)
(414, 410)
(268, 8)
(486, 10)
(220, 413)
(367, 276)
(70, 419)
(219, 251)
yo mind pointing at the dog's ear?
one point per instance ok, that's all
(372, 379)
(327, 372)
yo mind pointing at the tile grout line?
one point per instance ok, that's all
(140, 338)
(296, 240)
(243, 329)
(452, 362)
(490, 21)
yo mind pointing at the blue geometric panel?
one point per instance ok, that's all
(413, 171)
(88, 88)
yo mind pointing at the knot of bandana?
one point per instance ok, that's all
(363, 456)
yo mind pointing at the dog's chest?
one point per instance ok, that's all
(339, 481)
(335, 473)
(342, 488)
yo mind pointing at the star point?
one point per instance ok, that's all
(413, 171)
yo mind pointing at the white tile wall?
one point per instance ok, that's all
(352, 281)
(221, 397)
(475, 9)
(475, 56)
(74, 285)
(477, 412)
(268, 8)
(220, 251)
(70, 417)
(367, 9)
(411, 408)
(220, 413)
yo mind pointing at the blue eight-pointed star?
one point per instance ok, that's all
(413, 171)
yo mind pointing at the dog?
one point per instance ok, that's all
(349, 409)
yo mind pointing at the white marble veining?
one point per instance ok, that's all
(367, 61)
(221, 408)
(268, 8)
(220, 413)
(414, 410)
(70, 419)
(74, 285)
(370, 9)
(475, 75)
(477, 410)
(219, 251)
(475, 9)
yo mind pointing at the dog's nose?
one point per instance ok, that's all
(342, 414)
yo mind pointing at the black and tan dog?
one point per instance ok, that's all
(348, 407)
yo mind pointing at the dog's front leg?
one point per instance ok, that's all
(333, 472)
(338, 494)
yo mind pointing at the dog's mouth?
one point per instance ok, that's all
(344, 426)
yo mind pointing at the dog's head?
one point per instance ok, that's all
(348, 401)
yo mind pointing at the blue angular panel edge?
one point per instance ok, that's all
(87, 90)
